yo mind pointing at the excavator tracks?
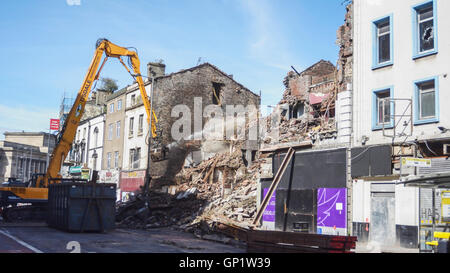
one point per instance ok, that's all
(25, 213)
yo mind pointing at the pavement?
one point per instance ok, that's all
(38, 238)
(374, 247)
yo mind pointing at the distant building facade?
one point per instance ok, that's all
(136, 137)
(25, 153)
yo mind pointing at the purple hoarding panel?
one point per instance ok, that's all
(269, 213)
(332, 208)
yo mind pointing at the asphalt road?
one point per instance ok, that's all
(39, 238)
(9, 244)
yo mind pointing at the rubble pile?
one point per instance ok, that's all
(201, 198)
(156, 210)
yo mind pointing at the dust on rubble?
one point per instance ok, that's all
(201, 199)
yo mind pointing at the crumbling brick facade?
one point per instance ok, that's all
(318, 78)
(345, 43)
(307, 107)
(204, 83)
(307, 111)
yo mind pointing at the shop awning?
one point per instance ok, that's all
(436, 180)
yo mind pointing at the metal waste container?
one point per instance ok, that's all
(82, 207)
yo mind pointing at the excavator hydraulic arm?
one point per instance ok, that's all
(103, 46)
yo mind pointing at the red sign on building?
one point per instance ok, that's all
(54, 124)
(131, 181)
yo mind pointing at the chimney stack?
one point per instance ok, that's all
(156, 69)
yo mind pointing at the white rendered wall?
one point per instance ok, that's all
(402, 74)
(361, 201)
(406, 205)
(136, 140)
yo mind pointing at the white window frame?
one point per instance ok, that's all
(141, 124)
(416, 10)
(116, 159)
(108, 160)
(110, 131)
(118, 129)
(131, 125)
(376, 41)
(418, 119)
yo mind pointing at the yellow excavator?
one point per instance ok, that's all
(36, 192)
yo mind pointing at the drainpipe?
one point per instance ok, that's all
(48, 148)
(87, 144)
(29, 167)
(103, 139)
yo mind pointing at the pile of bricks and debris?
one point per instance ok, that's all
(220, 189)
(307, 109)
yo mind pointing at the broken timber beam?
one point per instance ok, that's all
(274, 185)
(211, 170)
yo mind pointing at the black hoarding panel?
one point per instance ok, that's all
(299, 213)
(312, 170)
(371, 161)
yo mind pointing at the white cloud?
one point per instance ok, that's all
(73, 2)
(29, 119)
(267, 42)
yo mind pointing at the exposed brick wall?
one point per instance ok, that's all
(181, 88)
(317, 79)
(345, 42)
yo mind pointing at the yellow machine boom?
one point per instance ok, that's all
(73, 119)
(37, 193)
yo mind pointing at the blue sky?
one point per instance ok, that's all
(47, 46)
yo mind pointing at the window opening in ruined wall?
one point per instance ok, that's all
(217, 88)
(298, 110)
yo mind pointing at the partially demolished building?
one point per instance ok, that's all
(307, 109)
(382, 123)
(314, 118)
(357, 130)
(185, 103)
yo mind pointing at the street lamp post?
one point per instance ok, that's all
(48, 148)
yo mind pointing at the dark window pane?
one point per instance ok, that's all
(427, 86)
(383, 27)
(426, 13)
(384, 48)
(426, 38)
